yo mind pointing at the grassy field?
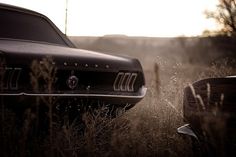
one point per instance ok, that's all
(148, 129)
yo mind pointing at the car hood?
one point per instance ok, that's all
(24, 52)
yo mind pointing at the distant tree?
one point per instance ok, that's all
(225, 15)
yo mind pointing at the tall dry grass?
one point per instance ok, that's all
(148, 129)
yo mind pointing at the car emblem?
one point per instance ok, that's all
(72, 81)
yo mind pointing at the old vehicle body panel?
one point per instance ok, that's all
(91, 75)
(209, 109)
(27, 51)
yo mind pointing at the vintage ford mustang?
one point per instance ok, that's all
(37, 60)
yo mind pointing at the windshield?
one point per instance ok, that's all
(20, 25)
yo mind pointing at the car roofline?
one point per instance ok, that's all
(19, 9)
(31, 12)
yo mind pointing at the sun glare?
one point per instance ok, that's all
(156, 18)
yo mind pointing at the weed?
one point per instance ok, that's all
(148, 129)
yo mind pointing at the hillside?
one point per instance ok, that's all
(186, 50)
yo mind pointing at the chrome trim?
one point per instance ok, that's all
(8, 76)
(141, 94)
(131, 82)
(72, 82)
(17, 71)
(186, 130)
(124, 81)
(117, 82)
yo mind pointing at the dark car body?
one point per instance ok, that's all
(209, 111)
(32, 47)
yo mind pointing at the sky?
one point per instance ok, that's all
(151, 18)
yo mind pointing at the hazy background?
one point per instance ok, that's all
(188, 51)
(155, 18)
